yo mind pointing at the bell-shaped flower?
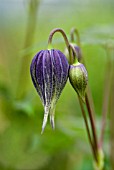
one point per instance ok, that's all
(49, 73)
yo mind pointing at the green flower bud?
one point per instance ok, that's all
(78, 78)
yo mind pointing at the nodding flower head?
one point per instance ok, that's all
(78, 78)
(49, 73)
(77, 50)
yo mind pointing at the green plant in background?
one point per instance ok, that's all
(49, 72)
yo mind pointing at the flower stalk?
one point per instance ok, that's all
(90, 108)
(92, 122)
(50, 71)
(74, 31)
(63, 34)
(88, 130)
(70, 48)
(92, 139)
(106, 96)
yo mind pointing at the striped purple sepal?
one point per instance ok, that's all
(49, 73)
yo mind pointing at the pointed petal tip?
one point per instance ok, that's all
(42, 131)
(44, 122)
(52, 122)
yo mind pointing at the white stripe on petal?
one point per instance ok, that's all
(46, 113)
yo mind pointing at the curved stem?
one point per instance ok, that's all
(70, 47)
(63, 34)
(72, 54)
(89, 94)
(92, 121)
(87, 128)
(75, 31)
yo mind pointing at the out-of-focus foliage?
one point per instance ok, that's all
(22, 146)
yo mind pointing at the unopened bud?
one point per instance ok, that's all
(49, 73)
(78, 78)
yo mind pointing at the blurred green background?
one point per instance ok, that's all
(24, 29)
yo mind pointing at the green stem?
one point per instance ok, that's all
(92, 122)
(106, 93)
(63, 34)
(73, 32)
(89, 93)
(72, 54)
(89, 103)
(87, 129)
(70, 47)
(24, 70)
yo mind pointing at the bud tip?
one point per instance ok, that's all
(44, 121)
(52, 121)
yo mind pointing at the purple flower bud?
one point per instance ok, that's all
(49, 73)
(78, 53)
(78, 78)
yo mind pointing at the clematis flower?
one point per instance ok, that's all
(49, 73)
(78, 78)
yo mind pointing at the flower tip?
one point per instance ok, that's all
(44, 120)
(43, 126)
(42, 131)
(52, 121)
